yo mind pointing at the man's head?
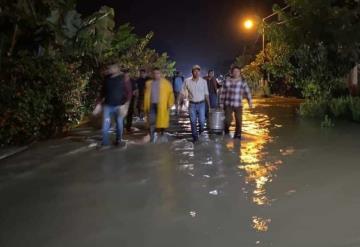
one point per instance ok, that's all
(236, 72)
(211, 73)
(142, 73)
(113, 69)
(196, 71)
(177, 73)
(156, 73)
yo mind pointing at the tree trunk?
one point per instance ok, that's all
(13, 40)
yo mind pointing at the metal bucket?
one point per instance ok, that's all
(216, 121)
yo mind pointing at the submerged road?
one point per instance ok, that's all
(288, 184)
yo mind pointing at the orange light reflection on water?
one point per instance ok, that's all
(259, 171)
(260, 224)
(252, 155)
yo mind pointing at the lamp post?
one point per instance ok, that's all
(263, 25)
(248, 24)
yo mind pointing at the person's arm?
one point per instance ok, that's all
(183, 93)
(248, 96)
(214, 82)
(207, 100)
(207, 94)
(135, 89)
(223, 95)
(181, 99)
(101, 97)
(128, 89)
(218, 85)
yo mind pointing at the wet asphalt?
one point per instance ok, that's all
(289, 183)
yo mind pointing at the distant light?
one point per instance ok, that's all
(248, 24)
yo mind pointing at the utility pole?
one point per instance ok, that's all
(263, 34)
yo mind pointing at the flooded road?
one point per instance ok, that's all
(289, 183)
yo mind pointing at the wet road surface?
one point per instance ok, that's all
(288, 184)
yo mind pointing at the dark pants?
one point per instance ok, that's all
(177, 98)
(197, 112)
(213, 100)
(213, 97)
(129, 117)
(238, 111)
(140, 105)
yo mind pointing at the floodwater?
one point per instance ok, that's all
(288, 184)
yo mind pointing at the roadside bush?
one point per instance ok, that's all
(39, 98)
(314, 108)
(345, 108)
(327, 123)
(355, 108)
(340, 107)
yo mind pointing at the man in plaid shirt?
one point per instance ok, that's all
(233, 92)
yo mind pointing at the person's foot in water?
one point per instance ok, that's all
(120, 144)
(237, 137)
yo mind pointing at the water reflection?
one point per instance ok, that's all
(259, 172)
(205, 163)
(166, 182)
(259, 175)
(255, 162)
(260, 224)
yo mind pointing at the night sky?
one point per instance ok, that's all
(200, 32)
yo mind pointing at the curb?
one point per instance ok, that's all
(11, 151)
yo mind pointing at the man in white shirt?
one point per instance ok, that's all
(196, 90)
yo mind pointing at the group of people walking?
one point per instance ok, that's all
(152, 98)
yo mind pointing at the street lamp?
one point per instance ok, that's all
(249, 24)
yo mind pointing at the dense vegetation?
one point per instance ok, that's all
(51, 59)
(311, 48)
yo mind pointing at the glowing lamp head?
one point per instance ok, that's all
(248, 24)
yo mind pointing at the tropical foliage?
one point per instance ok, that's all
(51, 61)
(273, 65)
(312, 46)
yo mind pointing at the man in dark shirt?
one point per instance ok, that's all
(178, 81)
(116, 93)
(140, 83)
(213, 88)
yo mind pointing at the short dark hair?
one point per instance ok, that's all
(126, 71)
(111, 62)
(235, 67)
(211, 70)
(156, 69)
